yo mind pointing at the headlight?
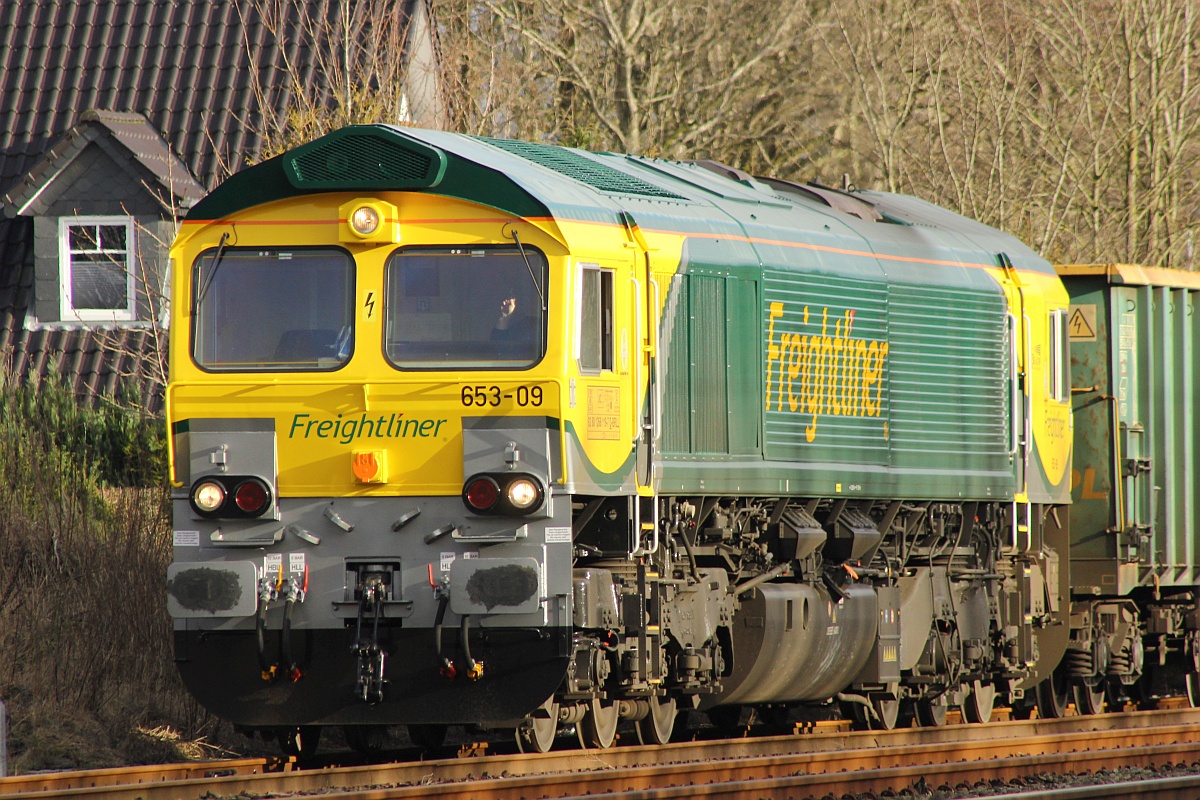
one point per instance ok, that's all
(364, 220)
(523, 494)
(208, 496)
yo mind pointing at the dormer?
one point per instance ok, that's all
(104, 201)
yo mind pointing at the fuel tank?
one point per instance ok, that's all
(795, 642)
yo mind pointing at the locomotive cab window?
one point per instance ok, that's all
(273, 309)
(595, 319)
(465, 308)
(1058, 370)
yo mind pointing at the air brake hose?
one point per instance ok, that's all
(260, 630)
(474, 668)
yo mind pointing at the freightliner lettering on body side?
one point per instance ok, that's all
(383, 426)
(836, 375)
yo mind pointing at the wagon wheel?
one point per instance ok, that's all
(886, 709)
(659, 722)
(300, 742)
(1192, 678)
(1193, 689)
(1089, 699)
(536, 733)
(598, 728)
(977, 705)
(1053, 695)
(428, 737)
(931, 711)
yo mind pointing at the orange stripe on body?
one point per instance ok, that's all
(747, 239)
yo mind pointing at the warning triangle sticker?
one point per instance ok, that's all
(1080, 327)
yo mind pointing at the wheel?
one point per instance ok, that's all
(657, 725)
(1193, 689)
(1115, 695)
(1089, 699)
(1053, 695)
(598, 728)
(300, 742)
(931, 711)
(886, 710)
(536, 733)
(428, 737)
(368, 740)
(977, 705)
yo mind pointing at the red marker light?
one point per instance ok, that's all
(251, 497)
(481, 494)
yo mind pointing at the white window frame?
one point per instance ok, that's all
(68, 311)
(1059, 366)
(606, 281)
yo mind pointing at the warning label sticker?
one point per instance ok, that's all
(1081, 323)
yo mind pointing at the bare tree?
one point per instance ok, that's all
(670, 78)
(1073, 125)
(343, 63)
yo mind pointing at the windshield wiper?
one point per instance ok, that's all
(199, 296)
(528, 266)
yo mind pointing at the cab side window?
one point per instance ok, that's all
(595, 319)
(1058, 368)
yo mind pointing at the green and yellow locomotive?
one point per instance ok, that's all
(474, 431)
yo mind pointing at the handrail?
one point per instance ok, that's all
(1014, 388)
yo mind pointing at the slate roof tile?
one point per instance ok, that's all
(125, 366)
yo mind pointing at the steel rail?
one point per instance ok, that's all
(1157, 737)
(756, 779)
(57, 782)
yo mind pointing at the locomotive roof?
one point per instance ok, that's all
(730, 217)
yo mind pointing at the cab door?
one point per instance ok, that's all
(1019, 332)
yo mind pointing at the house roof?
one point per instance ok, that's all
(183, 87)
(190, 68)
(126, 366)
(163, 175)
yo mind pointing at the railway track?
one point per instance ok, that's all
(810, 765)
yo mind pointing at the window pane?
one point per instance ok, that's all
(112, 237)
(474, 308)
(98, 281)
(1064, 357)
(82, 237)
(274, 309)
(590, 338)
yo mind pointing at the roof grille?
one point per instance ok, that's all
(581, 168)
(365, 158)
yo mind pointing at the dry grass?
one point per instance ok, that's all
(86, 664)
